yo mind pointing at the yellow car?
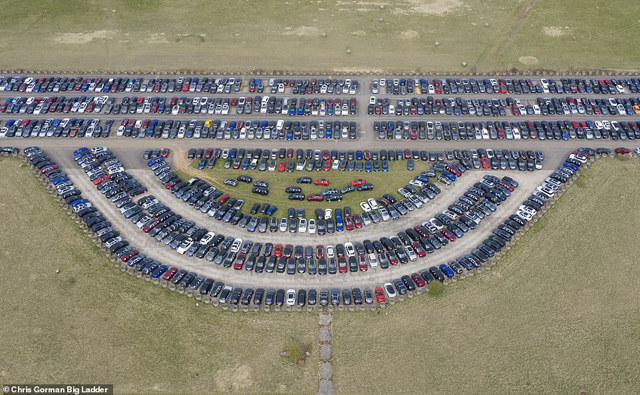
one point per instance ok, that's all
(636, 109)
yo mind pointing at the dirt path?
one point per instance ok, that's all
(325, 348)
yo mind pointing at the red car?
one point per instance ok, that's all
(622, 151)
(358, 181)
(327, 165)
(321, 181)
(507, 185)
(277, 251)
(417, 247)
(100, 180)
(223, 199)
(47, 169)
(147, 228)
(366, 154)
(393, 258)
(357, 221)
(485, 163)
(239, 262)
(129, 255)
(288, 250)
(448, 234)
(170, 273)
(379, 295)
(282, 166)
(362, 263)
(348, 222)
(315, 197)
(418, 280)
(208, 153)
(407, 154)
(342, 264)
(319, 251)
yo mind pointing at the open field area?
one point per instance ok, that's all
(558, 315)
(89, 323)
(383, 182)
(267, 35)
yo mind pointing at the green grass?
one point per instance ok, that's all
(557, 315)
(383, 182)
(90, 323)
(287, 35)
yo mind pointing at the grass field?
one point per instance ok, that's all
(388, 182)
(557, 315)
(288, 35)
(89, 323)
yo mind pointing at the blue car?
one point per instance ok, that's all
(447, 270)
(202, 163)
(158, 271)
(367, 166)
(272, 210)
(450, 176)
(60, 180)
(339, 224)
(75, 203)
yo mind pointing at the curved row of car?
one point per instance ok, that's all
(501, 130)
(463, 215)
(404, 86)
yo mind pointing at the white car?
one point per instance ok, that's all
(349, 249)
(411, 253)
(524, 215)
(284, 225)
(391, 292)
(302, 225)
(373, 260)
(372, 203)
(311, 228)
(327, 213)
(206, 239)
(235, 247)
(330, 252)
(365, 207)
(291, 297)
(184, 246)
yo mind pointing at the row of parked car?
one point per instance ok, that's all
(502, 107)
(119, 84)
(502, 234)
(305, 86)
(178, 105)
(224, 85)
(120, 248)
(404, 86)
(500, 130)
(9, 150)
(82, 207)
(235, 105)
(68, 127)
(238, 130)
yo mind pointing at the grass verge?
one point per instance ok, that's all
(90, 323)
(557, 315)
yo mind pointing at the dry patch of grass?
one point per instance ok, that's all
(287, 35)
